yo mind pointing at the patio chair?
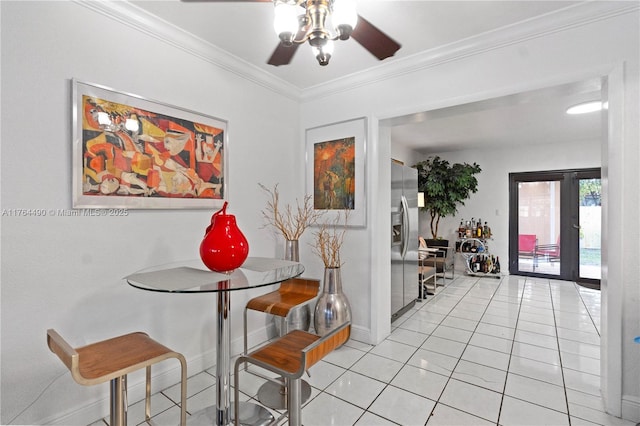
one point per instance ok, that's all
(527, 245)
(550, 252)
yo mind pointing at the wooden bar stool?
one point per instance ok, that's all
(290, 356)
(290, 295)
(112, 360)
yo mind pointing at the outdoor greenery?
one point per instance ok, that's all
(590, 192)
(590, 256)
(445, 186)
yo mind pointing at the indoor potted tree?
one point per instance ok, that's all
(445, 186)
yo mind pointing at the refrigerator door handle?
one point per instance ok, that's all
(405, 225)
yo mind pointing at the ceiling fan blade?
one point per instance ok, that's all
(282, 55)
(375, 41)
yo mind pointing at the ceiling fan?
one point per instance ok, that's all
(299, 21)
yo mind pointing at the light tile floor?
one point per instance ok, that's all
(515, 351)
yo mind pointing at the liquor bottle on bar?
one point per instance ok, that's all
(479, 228)
(486, 231)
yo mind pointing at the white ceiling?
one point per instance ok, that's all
(245, 30)
(530, 118)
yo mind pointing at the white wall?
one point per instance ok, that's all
(404, 154)
(491, 202)
(66, 272)
(583, 48)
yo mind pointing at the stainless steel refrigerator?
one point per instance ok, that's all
(404, 238)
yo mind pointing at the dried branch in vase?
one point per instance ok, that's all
(291, 224)
(329, 239)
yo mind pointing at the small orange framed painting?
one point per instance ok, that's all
(132, 152)
(335, 163)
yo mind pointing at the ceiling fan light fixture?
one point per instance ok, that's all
(323, 53)
(285, 21)
(318, 22)
(344, 17)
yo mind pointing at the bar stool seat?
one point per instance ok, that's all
(290, 356)
(290, 295)
(111, 360)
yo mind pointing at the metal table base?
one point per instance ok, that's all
(274, 395)
(250, 415)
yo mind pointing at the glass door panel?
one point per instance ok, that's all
(590, 190)
(554, 225)
(539, 226)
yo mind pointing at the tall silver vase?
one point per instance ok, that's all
(299, 318)
(332, 307)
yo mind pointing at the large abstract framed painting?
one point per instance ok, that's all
(335, 163)
(131, 152)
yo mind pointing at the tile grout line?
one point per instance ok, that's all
(465, 348)
(513, 340)
(564, 383)
(388, 384)
(458, 298)
(588, 310)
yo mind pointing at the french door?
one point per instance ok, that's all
(554, 225)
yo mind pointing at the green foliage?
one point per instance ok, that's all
(590, 188)
(445, 186)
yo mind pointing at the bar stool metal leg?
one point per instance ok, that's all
(118, 409)
(294, 402)
(111, 360)
(273, 394)
(147, 397)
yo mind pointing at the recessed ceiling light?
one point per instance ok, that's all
(585, 107)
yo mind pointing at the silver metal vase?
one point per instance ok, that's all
(300, 317)
(332, 307)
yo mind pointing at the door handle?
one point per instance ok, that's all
(576, 226)
(405, 225)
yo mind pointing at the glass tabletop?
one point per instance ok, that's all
(193, 277)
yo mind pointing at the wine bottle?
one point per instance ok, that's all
(497, 264)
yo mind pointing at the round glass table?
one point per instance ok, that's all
(193, 277)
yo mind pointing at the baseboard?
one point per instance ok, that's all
(161, 379)
(631, 408)
(360, 334)
(169, 376)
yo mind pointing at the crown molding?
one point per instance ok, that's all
(557, 21)
(147, 23)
